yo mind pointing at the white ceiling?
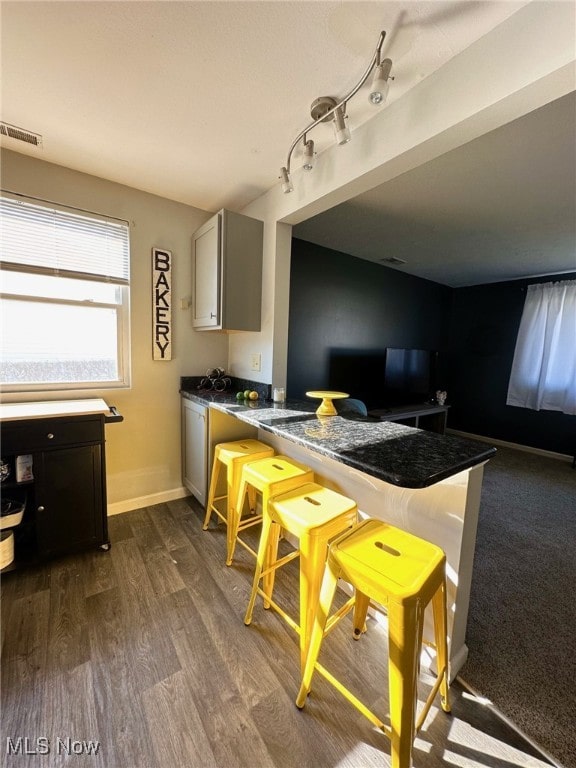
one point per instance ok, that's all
(199, 102)
(501, 207)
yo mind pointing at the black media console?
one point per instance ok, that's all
(424, 416)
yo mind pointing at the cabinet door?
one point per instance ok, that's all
(207, 266)
(69, 499)
(195, 449)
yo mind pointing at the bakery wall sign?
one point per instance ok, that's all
(161, 304)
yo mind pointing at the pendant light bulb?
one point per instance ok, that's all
(309, 155)
(380, 83)
(287, 185)
(340, 128)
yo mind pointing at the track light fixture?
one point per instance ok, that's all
(326, 108)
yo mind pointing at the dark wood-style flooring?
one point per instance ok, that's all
(143, 650)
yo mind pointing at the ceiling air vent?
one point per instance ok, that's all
(392, 260)
(13, 132)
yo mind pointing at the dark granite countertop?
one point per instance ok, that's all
(400, 455)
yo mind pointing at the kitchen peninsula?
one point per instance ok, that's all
(423, 482)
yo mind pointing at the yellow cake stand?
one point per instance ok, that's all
(326, 407)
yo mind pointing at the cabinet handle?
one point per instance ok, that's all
(212, 314)
(50, 436)
(41, 509)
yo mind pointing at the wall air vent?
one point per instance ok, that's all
(392, 260)
(13, 132)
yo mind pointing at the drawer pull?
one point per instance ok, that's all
(50, 436)
(41, 509)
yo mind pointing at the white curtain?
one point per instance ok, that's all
(543, 373)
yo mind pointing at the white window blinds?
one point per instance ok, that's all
(53, 241)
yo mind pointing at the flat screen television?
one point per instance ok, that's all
(358, 372)
(410, 376)
(384, 378)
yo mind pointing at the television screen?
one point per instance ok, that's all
(360, 373)
(410, 376)
(384, 378)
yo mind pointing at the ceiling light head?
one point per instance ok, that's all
(341, 130)
(309, 155)
(380, 83)
(287, 185)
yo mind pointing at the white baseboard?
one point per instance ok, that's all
(506, 444)
(147, 501)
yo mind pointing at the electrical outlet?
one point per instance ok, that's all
(256, 361)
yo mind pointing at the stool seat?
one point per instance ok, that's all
(389, 564)
(242, 449)
(272, 470)
(314, 515)
(403, 573)
(268, 476)
(231, 455)
(310, 508)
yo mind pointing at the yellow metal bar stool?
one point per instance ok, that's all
(401, 573)
(314, 515)
(270, 477)
(233, 456)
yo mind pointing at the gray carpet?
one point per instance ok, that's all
(522, 621)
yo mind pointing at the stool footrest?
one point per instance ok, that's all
(248, 522)
(338, 615)
(246, 546)
(279, 563)
(280, 611)
(429, 700)
(354, 700)
(218, 514)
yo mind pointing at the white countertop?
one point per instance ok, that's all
(39, 410)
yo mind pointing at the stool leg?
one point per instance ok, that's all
(233, 513)
(361, 603)
(313, 550)
(252, 499)
(211, 493)
(327, 592)
(270, 557)
(404, 641)
(260, 563)
(440, 635)
(272, 550)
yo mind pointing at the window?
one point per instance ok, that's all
(544, 368)
(64, 309)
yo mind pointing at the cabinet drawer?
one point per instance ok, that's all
(43, 434)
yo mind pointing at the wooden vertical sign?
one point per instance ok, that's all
(161, 304)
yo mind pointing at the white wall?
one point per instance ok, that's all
(524, 63)
(143, 452)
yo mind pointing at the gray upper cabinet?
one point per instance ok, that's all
(227, 273)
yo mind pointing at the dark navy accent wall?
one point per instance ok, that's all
(485, 322)
(341, 302)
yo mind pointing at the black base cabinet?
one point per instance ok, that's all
(66, 509)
